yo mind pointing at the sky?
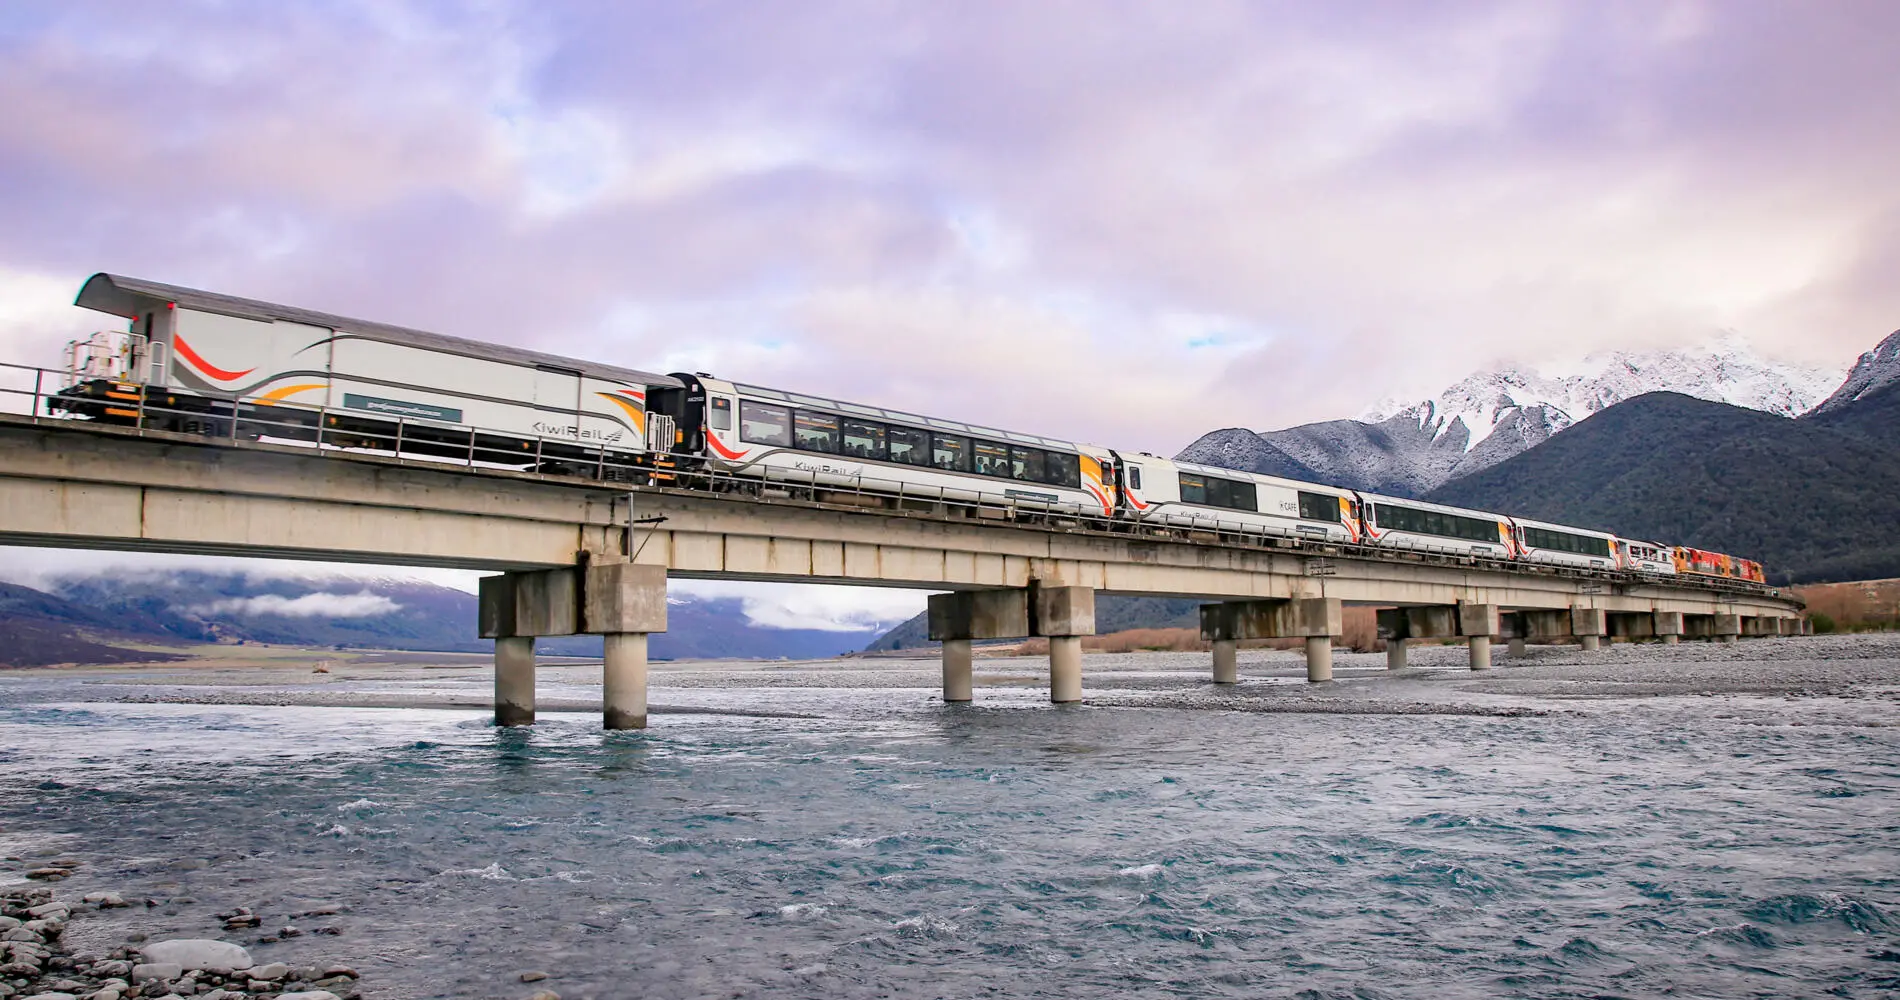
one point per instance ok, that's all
(1117, 222)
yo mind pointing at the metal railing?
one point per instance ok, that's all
(330, 431)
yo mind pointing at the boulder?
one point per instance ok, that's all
(198, 953)
(275, 970)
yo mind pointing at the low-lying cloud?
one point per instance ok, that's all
(320, 605)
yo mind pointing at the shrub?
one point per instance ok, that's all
(1822, 623)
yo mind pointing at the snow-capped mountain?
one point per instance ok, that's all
(1724, 372)
(1490, 416)
(1875, 370)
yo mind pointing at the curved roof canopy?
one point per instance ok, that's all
(129, 297)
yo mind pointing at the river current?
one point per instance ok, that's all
(892, 847)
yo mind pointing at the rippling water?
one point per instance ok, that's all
(893, 849)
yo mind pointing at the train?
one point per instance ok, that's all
(204, 363)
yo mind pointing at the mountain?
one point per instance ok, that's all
(1814, 499)
(1489, 417)
(96, 619)
(1876, 370)
(1112, 614)
(38, 629)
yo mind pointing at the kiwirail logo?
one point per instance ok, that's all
(578, 433)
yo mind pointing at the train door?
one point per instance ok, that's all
(1114, 473)
(687, 407)
(557, 395)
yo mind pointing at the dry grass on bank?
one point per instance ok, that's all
(1860, 606)
(1360, 636)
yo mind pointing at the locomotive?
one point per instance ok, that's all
(204, 363)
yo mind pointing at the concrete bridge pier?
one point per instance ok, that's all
(1226, 661)
(1727, 628)
(1511, 630)
(514, 681)
(624, 603)
(620, 601)
(1394, 628)
(1475, 623)
(1478, 623)
(958, 672)
(1667, 625)
(1589, 625)
(962, 615)
(1315, 619)
(506, 604)
(1065, 615)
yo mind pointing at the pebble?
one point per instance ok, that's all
(546, 995)
(275, 970)
(309, 995)
(145, 972)
(106, 900)
(533, 977)
(47, 874)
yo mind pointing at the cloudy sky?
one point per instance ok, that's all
(1118, 222)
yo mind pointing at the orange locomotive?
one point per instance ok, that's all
(1705, 563)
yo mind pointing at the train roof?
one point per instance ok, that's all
(1597, 532)
(1423, 505)
(912, 419)
(118, 295)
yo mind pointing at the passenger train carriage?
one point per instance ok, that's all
(198, 362)
(201, 360)
(1540, 541)
(1166, 492)
(796, 439)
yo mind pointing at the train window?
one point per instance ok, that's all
(816, 431)
(991, 459)
(1062, 470)
(763, 423)
(909, 445)
(1027, 464)
(720, 414)
(950, 451)
(1564, 541)
(1319, 507)
(1433, 522)
(864, 439)
(1213, 491)
(1134, 477)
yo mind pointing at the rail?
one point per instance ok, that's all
(334, 432)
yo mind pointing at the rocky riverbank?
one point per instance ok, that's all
(38, 965)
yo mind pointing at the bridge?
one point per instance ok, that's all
(576, 555)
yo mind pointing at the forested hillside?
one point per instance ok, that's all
(1814, 499)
